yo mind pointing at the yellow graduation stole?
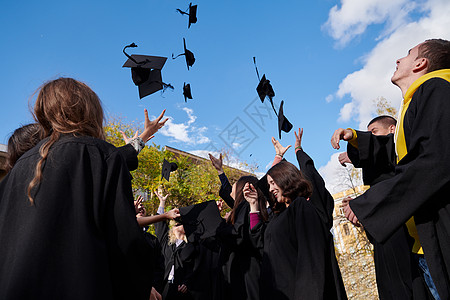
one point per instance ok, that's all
(400, 142)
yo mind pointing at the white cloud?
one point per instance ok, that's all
(373, 79)
(185, 132)
(353, 17)
(329, 98)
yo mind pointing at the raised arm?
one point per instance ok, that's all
(341, 134)
(279, 151)
(320, 197)
(225, 187)
(162, 228)
(135, 144)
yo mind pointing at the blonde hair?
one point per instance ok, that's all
(65, 106)
(172, 237)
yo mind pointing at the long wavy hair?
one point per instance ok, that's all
(65, 106)
(291, 181)
(239, 198)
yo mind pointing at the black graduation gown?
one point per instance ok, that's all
(298, 250)
(130, 155)
(157, 261)
(240, 259)
(396, 270)
(375, 155)
(421, 185)
(181, 257)
(80, 239)
(225, 190)
(206, 282)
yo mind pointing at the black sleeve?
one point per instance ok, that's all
(127, 243)
(162, 233)
(375, 155)
(130, 155)
(320, 198)
(422, 174)
(311, 269)
(225, 190)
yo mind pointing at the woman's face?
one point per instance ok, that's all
(178, 231)
(276, 191)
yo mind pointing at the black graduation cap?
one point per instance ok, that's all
(187, 91)
(265, 89)
(146, 72)
(192, 14)
(190, 59)
(200, 221)
(283, 122)
(168, 167)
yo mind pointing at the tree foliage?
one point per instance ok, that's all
(384, 107)
(194, 181)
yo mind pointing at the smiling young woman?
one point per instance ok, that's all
(298, 250)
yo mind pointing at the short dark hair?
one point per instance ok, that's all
(437, 51)
(23, 139)
(385, 120)
(290, 180)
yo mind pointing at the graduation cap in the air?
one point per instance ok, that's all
(264, 88)
(192, 14)
(190, 59)
(187, 91)
(146, 72)
(283, 122)
(168, 167)
(200, 221)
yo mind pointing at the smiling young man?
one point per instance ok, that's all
(418, 194)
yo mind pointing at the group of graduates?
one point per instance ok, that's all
(69, 228)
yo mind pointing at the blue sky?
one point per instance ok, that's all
(326, 59)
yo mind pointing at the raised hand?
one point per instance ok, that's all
(137, 203)
(341, 134)
(127, 139)
(162, 200)
(298, 138)
(151, 127)
(217, 162)
(279, 149)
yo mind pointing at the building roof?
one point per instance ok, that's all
(198, 159)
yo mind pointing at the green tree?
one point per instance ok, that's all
(194, 181)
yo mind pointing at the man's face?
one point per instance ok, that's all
(405, 65)
(377, 128)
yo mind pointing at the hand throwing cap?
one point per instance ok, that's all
(200, 221)
(190, 59)
(146, 72)
(187, 91)
(168, 167)
(283, 122)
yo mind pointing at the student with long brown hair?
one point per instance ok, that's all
(298, 251)
(68, 228)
